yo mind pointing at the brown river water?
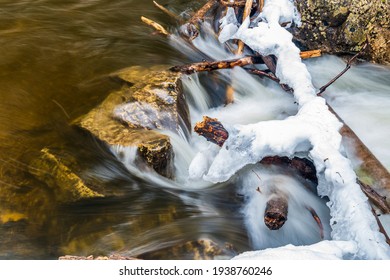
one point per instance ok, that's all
(55, 62)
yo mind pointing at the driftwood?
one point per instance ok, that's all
(276, 210)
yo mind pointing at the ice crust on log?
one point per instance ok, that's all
(313, 130)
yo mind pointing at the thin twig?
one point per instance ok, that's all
(168, 12)
(257, 175)
(62, 108)
(261, 73)
(349, 64)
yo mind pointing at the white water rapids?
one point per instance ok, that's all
(256, 100)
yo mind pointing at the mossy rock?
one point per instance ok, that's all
(344, 26)
(151, 100)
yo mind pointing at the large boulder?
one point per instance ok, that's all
(150, 100)
(343, 26)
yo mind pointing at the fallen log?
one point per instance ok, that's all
(370, 164)
(276, 210)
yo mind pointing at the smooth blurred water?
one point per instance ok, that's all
(55, 59)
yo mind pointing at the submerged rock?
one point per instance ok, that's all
(344, 26)
(203, 249)
(68, 186)
(151, 99)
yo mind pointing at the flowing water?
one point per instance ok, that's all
(55, 59)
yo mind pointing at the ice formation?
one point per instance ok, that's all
(313, 130)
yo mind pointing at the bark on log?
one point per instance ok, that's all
(276, 210)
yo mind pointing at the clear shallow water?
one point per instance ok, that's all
(54, 63)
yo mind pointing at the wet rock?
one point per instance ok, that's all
(68, 186)
(203, 249)
(150, 99)
(343, 27)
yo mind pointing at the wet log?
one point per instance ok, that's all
(276, 210)
(370, 166)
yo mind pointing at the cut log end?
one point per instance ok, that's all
(275, 214)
